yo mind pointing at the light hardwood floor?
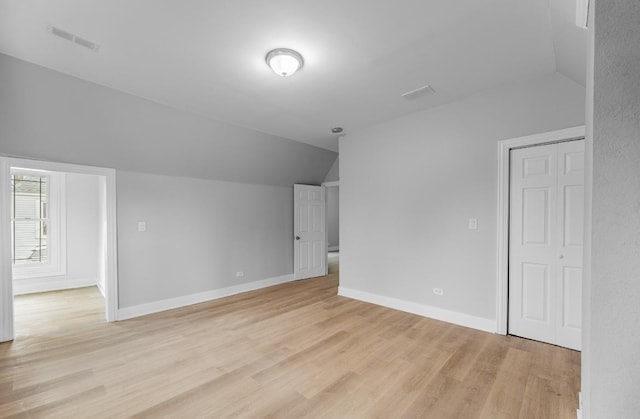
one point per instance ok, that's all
(294, 350)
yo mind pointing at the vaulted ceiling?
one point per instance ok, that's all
(207, 57)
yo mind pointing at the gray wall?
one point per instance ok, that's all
(199, 234)
(334, 172)
(409, 186)
(217, 198)
(51, 116)
(83, 226)
(611, 364)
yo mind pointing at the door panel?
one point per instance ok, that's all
(571, 231)
(573, 215)
(545, 242)
(535, 216)
(535, 292)
(572, 288)
(310, 258)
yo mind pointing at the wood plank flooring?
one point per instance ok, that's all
(290, 351)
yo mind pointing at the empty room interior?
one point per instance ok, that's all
(340, 209)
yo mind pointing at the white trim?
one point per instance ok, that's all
(333, 248)
(6, 294)
(582, 14)
(111, 251)
(326, 233)
(6, 286)
(201, 297)
(332, 183)
(461, 319)
(502, 264)
(579, 410)
(100, 287)
(51, 284)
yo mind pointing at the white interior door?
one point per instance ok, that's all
(545, 243)
(310, 231)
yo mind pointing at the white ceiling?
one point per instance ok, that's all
(207, 57)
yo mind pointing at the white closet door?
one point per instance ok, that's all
(545, 243)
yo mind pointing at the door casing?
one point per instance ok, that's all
(111, 263)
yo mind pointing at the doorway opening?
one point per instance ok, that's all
(59, 247)
(333, 226)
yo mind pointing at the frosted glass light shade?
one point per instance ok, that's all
(284, 62)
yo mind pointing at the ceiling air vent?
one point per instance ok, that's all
(418, 93)
(68, 36)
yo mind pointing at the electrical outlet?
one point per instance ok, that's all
(473, 223)
(142, 226)
(438, 291)
(239, 274)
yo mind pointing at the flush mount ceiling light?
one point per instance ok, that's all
(284, 62)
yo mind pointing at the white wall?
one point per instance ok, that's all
(409, 186)
(611, 367)
(83, 226)
(199, 234)
(333, 217)
(83, 237)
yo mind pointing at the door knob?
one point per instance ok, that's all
(297, 237)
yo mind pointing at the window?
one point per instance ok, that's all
(36, 230)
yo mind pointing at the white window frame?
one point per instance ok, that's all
(56, 229)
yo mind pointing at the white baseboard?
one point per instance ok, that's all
(461, 319)
(201, 297)
(579, 410)
(45, 284)
(100, 285)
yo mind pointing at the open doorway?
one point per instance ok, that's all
(333, 226)
(58, 253)
(56, 238)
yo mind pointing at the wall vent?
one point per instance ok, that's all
(419, 92)
(68, 36)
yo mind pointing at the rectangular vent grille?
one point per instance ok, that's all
(62, 34)
(419, 92)
(68, 36)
